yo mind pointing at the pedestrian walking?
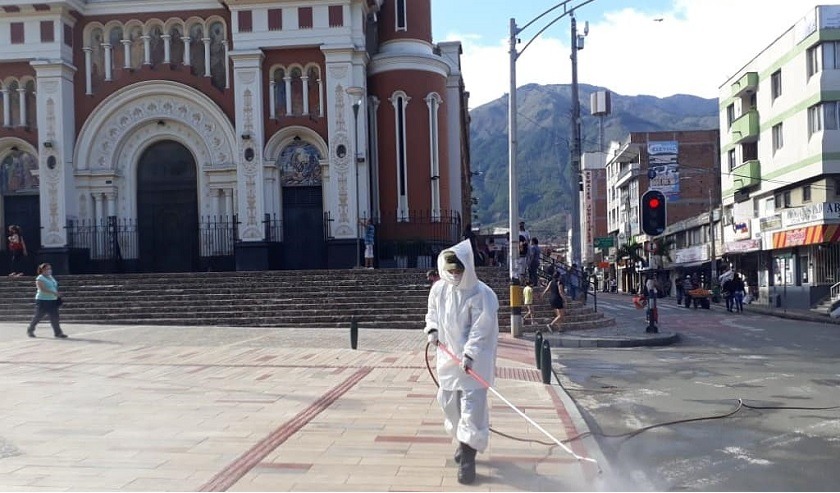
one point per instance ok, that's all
(432, 276)
(528, 301)
(573, 282)
(17, 250)
(739, 288)
(554, 289)
(463, 315)
(47, 301)
(728, 288)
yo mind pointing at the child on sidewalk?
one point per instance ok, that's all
(528, 301)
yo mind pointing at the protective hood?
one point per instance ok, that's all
(464, 253)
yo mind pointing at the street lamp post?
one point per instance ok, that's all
(356, 94)
(515, 305)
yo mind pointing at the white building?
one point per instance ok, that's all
(780, 160)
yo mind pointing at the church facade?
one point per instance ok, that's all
(209, 134)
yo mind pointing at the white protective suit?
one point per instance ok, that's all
(466, 318)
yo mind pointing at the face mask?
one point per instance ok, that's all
(456, 277)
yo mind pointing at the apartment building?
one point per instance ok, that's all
(780, 152)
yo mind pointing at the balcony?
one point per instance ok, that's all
(745, 128)
(627, 174)
(747, 174)
(747, 84)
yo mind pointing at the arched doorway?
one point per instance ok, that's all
(167, 208)
(303, 208)
(20, 201)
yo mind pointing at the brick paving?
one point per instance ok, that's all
(253, 409)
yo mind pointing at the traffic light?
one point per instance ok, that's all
(653, 213)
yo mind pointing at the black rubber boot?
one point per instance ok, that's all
(457, 456)
(466, 466)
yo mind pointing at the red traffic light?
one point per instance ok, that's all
(654, 203)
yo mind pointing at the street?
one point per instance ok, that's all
(722, 357)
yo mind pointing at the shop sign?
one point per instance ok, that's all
(770, 223)
(742, 246)
(698, 253)
(811, 213)
(821, 233)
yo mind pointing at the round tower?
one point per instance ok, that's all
(409, 79)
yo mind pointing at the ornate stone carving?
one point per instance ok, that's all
(152, 107)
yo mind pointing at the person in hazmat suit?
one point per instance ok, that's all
(463, 315)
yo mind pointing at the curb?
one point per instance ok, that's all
(662, 339)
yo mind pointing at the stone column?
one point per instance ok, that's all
(227, 197)
(320, 97)
(127, 53)
(111, 200)
(305, 82)
(288, 81)
(88, 70)
(98, 208)
(167, 47)
(7, 111)
(108, 61)
(227, 63)
(22, 105)
(147, 49)
(272, 100)
(186, 40)
(206, 42)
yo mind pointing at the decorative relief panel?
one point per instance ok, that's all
(157, 107)
(299, 163)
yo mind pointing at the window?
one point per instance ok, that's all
(731, 159)
(730, 115)
(749, 152)
(401, 23)
(815, 119)
(806, 193)
(830, 51)
(837, 187)
(433, 101)
(778, 141)
(786, 199)
(275, 19)
(47, 32)
(776, 84)
(68, 35)
(813, 60)
(17, 33)
(831, 114)
(399, 100)
(336, 14)
(246, 21)
(305, 17)
(777, 201)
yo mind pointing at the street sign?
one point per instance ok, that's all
(603, 242)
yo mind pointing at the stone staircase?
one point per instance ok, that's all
(824, 307)
(384, 298)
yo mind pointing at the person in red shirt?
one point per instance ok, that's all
(17, 250)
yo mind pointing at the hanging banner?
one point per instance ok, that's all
(664, 168)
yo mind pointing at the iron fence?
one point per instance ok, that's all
(218, 235)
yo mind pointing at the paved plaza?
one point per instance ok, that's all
(246, 409)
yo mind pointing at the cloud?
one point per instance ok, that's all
(698, 45)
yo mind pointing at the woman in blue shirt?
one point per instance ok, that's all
(46, 301)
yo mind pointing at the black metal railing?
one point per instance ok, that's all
(272, 228)
(415, 238)
(218, 235)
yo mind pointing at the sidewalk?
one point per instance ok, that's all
(789, 313)
(218, 409)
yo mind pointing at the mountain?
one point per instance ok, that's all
(543, 175)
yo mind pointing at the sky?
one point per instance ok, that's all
(695, 47)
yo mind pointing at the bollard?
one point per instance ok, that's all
(354, 332)
(538, 348)
(545, 366)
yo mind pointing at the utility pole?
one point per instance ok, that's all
(576, 147)
(513, 207)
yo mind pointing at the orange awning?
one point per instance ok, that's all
(822, 233)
